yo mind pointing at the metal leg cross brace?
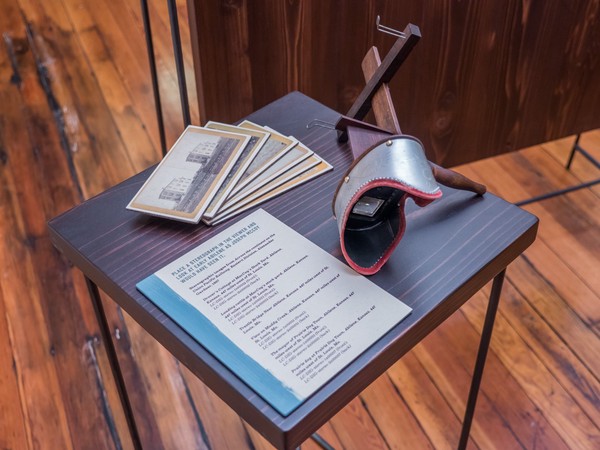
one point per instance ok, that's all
(590, 158)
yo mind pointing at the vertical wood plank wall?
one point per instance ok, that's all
(487, 77)
(77, 116)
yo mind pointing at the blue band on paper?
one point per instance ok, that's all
(209, 336)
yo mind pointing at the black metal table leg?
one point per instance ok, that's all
(153, 75)
(322, 442)
(176, 38)
(114, 362)
(484, 344)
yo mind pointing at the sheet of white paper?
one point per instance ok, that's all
(297, 311)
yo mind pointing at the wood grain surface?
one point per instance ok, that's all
(487, 77)
(56, 391)
(450, 250)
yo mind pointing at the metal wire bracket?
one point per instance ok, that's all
(320, 123)
(388, 30)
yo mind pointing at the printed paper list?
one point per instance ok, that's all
(299, 312)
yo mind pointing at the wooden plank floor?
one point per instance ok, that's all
(76, 116)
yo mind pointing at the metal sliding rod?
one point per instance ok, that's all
(388, 30)
(484, 345)
(383, 74)
(111, 354)
(386, 71)
(176, 38)
(152, 63)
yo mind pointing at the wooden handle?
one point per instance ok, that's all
(455, 180)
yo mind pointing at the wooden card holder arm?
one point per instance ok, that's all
(376, 95)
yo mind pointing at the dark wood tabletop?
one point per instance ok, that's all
(450, 249)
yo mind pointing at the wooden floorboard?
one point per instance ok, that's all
(77, 116)
(55, 357)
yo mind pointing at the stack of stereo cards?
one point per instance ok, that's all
(217, 171)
